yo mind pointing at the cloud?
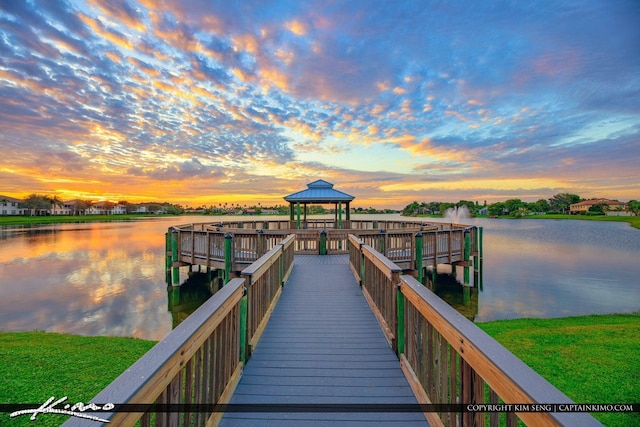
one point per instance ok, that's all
(427, 97)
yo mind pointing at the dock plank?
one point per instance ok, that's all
(323, 346)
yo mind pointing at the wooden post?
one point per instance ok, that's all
(467, 254)
(298, 213)
(243, 328)
(174, 256)
(262, 243)
(382, 242)
(362, 269)
(339, 214)
(400, 315)
(228, 257)
(418, 259)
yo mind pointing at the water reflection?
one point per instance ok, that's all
(109, 278)
(186, 298)
(87, 279)
(462, 297)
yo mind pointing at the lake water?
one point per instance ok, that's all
(109, 278)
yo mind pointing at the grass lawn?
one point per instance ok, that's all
(60, 219)
(36, 366)
(591, 359)
(633, 220)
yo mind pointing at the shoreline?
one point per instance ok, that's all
(633, 221)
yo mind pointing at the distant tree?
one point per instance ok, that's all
(562, 201)
(541, 205)
(600, 208)
(496, 209)
(55, 201)
(634, 207)
(411, 209)
(514, 205)
(174, 209)
(36, 203)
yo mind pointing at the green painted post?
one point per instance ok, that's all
(400, 307)
(480, 241)
(243, 328)
(174, 256)
(467, 255)
(228, 257)
(168, 257)
(476, 257)
(323, 242)
(298, 213)
(339, 214)
(419, 256)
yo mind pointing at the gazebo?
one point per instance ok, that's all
(319, 192)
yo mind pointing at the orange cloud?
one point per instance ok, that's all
(296, 27)
(105, 33)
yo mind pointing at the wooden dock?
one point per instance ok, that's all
(327, 339)
(323, 346)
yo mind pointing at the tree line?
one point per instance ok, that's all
(44, 203)
(557, 204)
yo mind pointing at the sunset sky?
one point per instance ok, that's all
(203, 102)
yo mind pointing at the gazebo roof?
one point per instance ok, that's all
(319, 191)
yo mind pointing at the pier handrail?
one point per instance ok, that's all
(198, 362)
(201, 361)
(265, 278)
(379, 288)
(447, 359)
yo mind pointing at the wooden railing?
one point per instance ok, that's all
(264, 283)
(400, 241)
(446, 358)
(199, 364)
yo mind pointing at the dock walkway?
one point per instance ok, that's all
(324, 346)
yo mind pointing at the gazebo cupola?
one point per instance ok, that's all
(318, 193)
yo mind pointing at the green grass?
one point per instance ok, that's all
(60, 219)
(633, 220)
(36, 366)
(591, 359)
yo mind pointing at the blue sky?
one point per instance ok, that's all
(208, 102)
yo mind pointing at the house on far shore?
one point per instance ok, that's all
(10, 206)
(106, 208)
(614, 205)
